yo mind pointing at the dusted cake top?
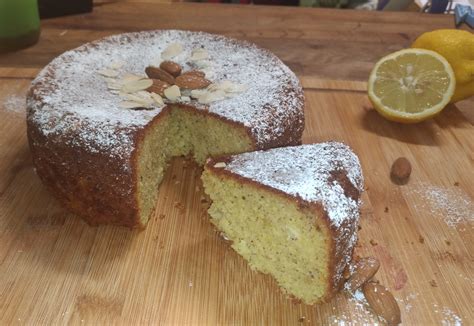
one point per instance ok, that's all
(327, 173)
(70, 91)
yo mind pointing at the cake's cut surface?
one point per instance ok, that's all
(290, 212)
(105, 162)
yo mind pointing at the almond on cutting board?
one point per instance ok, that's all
(171, 67)
(382, 303)
(158, 73)
(362, 271)
(400, 171)
(191, 81)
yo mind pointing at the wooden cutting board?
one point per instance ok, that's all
(55, 269)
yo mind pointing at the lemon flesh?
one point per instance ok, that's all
(411, 85)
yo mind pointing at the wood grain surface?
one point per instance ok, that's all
(54, 269)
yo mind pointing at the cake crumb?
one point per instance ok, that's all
(373, 242)
(456, 184)
(179, 206)
(421, 239)
(386, 209)
(359, 227)
(433, 284)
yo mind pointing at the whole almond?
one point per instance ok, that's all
(158, 73)
(195, 73)
(400, 171)
(362, 271)
(382, 302)
(158, 87)
(171, 67)
(191, 81)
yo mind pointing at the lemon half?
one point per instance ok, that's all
(411, 85)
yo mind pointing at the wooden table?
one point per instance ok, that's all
(55, 269)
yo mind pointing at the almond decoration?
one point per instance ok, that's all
(158, 73)
(114, 86)
(172, 93)
(158, 87)
(143, 98)
(382, 303)
(231, 87)
(208, 73)
(199, 54)
(220, 165)
(108, 73)
(191, 81)
(362, 271)
(203, 64)
(136, 85)
(117, 65)
(197, 73)
(171, 67)
(129, 77)
(158, 99)
(172, 51)
(130, 105)
(168, 83)
(211, 96)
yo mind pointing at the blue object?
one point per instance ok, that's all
(464, 14)
(438, 6)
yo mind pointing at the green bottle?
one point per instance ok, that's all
(19, 24)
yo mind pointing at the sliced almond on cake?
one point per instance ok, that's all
(172, 51)
(117, 65)
(199, 54)
(130, 105)
(108, 73)
(136, 85)
(157, 99)
(130, 77)
(172, 93)
(209, 97)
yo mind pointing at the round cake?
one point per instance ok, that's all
(104, 119)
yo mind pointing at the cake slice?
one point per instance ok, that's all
(290, 212)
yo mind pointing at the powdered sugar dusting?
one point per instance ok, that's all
(449, 318)
(15, 103)
(453, 205)
(305, 171)
(70, 88)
